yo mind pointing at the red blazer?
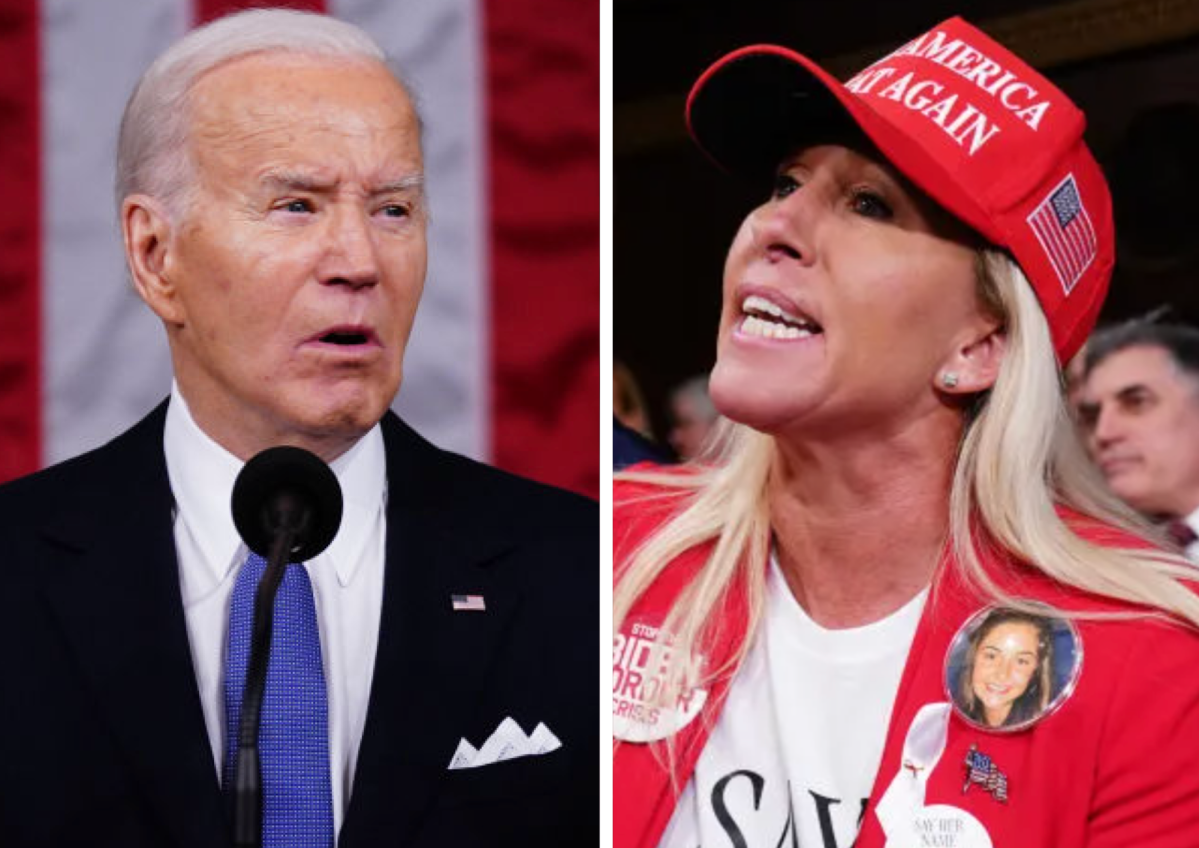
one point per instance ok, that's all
(1117, 765)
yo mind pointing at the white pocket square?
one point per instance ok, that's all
(507, 743)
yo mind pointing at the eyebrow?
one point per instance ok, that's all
(412, 181)
(1132, 391)
(1136, 390)
(1000, 648)
(297, 181)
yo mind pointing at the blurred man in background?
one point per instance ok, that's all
(1139, 409)
(632, 435)
(628, 401)
(1075, 377)
(692, 416)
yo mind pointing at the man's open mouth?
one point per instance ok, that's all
(340, 338)
(347, 336)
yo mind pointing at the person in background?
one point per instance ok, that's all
(628, 401)
(1139, 409)
(632, 435)
(1074, 376)
(692, 417)
(630, 447)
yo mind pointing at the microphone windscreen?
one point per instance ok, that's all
(280, 473)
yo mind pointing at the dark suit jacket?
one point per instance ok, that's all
(102, 739)
(630, 447)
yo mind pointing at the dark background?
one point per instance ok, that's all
(1133, 67)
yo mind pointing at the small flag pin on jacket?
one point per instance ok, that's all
(981, 769)
(468, 603)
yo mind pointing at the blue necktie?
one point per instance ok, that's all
(293, 742)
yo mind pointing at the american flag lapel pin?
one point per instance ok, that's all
(468, 603)
(981, 770)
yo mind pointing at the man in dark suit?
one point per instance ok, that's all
(273, 214)
(630, 447)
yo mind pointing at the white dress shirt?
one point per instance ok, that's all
(347, 580)
(1192, 550)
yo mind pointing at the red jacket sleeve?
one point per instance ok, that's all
(1146, 790)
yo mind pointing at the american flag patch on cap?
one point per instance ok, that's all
(1064, 229)
(468, 603)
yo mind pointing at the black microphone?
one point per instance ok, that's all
(287, 508)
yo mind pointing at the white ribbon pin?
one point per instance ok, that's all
(905, 820)
(922, 750)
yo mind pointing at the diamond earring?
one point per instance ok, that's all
(949, 380)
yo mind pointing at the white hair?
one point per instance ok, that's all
(153, 156)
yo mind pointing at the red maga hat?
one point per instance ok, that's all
(972, 125)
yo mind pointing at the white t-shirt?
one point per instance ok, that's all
(793, 756)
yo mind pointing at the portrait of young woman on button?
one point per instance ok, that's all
(1007, 679)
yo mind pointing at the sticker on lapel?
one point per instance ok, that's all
(1008, 668)
(948, 827)
(647, 703)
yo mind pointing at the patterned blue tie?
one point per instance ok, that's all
(297, 799)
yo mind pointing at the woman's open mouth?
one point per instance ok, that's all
(766, 319)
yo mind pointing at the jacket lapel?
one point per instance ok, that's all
(112, 582)
(432, 661)
(644, 790)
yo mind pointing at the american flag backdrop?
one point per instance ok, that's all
(503, 363)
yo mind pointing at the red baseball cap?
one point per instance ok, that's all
(972, 125)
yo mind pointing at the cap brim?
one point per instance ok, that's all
(759, 104)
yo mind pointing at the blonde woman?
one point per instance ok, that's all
(936, 240)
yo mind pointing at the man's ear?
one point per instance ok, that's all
(148, 231)
(974, 364)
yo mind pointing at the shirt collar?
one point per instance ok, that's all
(1192, 521)
(202, 474)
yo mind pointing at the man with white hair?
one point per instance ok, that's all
(441, 685)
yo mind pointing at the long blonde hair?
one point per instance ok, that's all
(1019, 460)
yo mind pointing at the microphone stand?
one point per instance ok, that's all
(247, 779)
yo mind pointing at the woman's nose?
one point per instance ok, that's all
(784, 231)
